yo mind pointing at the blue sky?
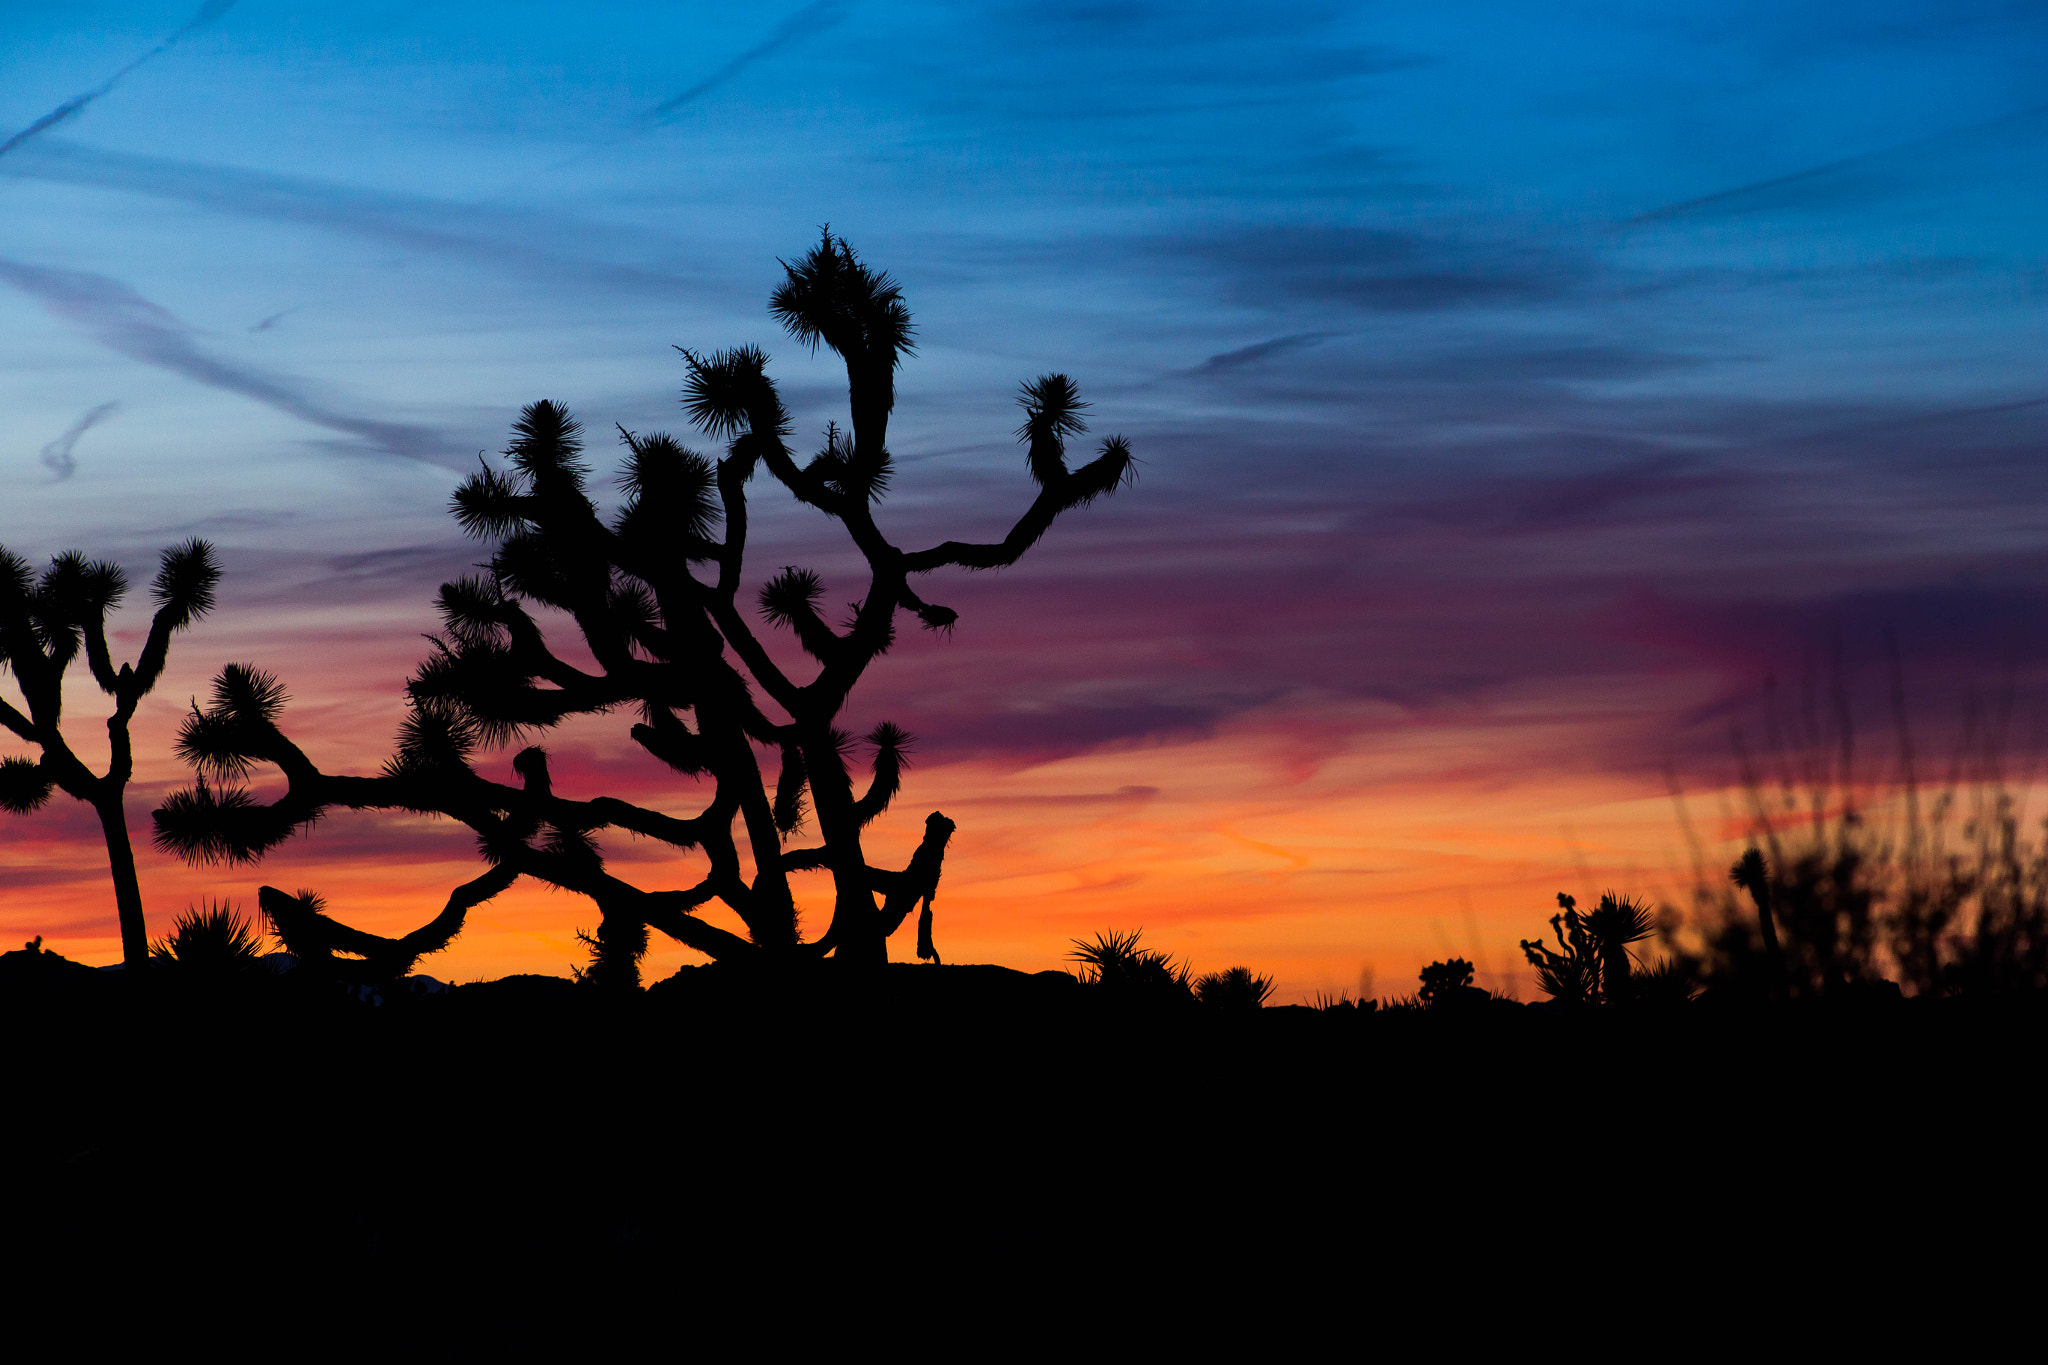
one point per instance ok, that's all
(1603, 356)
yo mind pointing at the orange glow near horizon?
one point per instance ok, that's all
(1335, 849)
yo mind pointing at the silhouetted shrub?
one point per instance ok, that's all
(1442, 981)
(1852, 889)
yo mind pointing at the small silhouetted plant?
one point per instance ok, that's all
(1443, 982)
(1342, 1001)
(1591, 963)
(1117, 966)
(1236, 988)
(613, 962)
(654, 591)
(212, 941)
(46, 623)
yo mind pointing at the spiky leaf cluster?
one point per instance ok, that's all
(239, 729)
(24, 786)
(829, 294)
(209, 826)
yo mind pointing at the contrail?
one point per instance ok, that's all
(1762, 187)
(57, 454)
(208, 12)
(812, 18)
(128, 324)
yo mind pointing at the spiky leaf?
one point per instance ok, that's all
(185, 582)
(489, 504)
(729, 391)
(547, 447)
(204, 826)
(24, 786)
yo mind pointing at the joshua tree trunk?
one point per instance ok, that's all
(127, 887)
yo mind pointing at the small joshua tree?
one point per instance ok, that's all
(1592, 963)
(655, 593)
(44, 624)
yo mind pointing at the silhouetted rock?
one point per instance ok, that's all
(36, 972)
(514, 992)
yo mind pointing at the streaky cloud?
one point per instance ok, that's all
(76, 105)
(1829, 180)
(1380, 270)
(812, 18)
(1261, 351)
(57, 454)
(125, 322)
(492, 237)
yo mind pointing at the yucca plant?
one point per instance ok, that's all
(46, 623)
(213, 940)
(1117, 966)
(1235, 988)
(654, 591)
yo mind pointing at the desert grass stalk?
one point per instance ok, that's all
(1857, 885)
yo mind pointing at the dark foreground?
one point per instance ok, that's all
(728, 1124)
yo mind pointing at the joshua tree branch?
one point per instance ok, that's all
(920, 880)
(20, 724)
(97, 657)
(1030, 528)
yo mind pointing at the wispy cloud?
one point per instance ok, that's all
(811, 19)
(76, 105)
(126, 322)
(1260, 352)
(57, 454)
(1380, 270)
(508, 240)
(1830, 182)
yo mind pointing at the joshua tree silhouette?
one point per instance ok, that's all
(673, 645)
(1592, 963)
(44, 622)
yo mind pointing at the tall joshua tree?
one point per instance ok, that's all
(44, 623)
(655, 594)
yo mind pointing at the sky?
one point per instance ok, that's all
(1532, 402)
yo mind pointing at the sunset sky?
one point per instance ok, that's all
(1518, 389)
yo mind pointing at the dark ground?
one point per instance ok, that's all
(977, 1117)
